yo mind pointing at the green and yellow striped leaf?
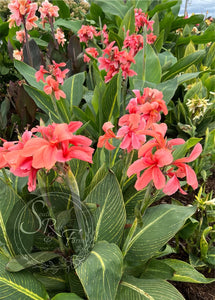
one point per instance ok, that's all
(73, 88)
(110, 216)
(183, 64)
(128, 23)
(23, 285)
(66, 296)
(132, 288)
(101, 272)
(29, 74)
(160, 224)
(185, 272)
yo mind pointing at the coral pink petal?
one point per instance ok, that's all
(172, 186)
(143, 180)
(158, 178)
(191, 177)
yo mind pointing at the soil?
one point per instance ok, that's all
(193, 291)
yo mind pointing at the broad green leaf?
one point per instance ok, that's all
(52, 282)
(66, 296)
(113, 7)
(29, 74)
(142, 4)
(132, 288)
(211, 256)
(96, 12)
(40, 42)
(64, 10)
(74, 26)
(22, 285)
(110, 215)
(197, 39)
(101, 272)
(185, 272)
(151, 72)
(128, 23)
(4, 29)
(157, 269)
(115, 37)
(21, 262)
(183, 63)
(181, 21)
(44, 102)
(186, 77)
(73, 88)
(159, 41)
(152, 66)
(210, 58)
(188, 228)
(110, 105)
(8, 199)
(160, 224)
(163, 6)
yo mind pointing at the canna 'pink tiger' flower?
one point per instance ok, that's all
(92, 51)
(40, 74)
(134, 42)
(18, 54)
(131, 131)
(183, 170)
(109, 134)
(48, 12)
(60, 37)
(20, 36)
(151, 38)
(141, 20)
(22, 11)
(86, 33)
(57, 143)
(52, 86)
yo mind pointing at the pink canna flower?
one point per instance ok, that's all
(152, 165)
(22, 11)
(92, 51)
(40, 74)
(134, 42)
(109, 134)
(52, 86)
(60, 37)
(87, 33)
(104, 35)
(20, 36)
(183, 170)
(151, 38)
(113, 59)
(18, 54)
(57, 72)
(11, 156)
(48, 12)
(131, 131)
(58, 144)
(141, 20)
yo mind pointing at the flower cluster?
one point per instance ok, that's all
(48, 12)
(155, 157)
(91, 51)
(60, 37)
(141, 20)
(86, 33)
(57, 143)
(113, 60)
(23, 12)
(56, 76)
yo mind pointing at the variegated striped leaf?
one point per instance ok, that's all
(23, 285)
(101, 272)
(110, 216)
(160, 224)
(132, 288)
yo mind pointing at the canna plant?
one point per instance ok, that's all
(79, 222)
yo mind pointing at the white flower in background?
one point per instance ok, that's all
(198, 107)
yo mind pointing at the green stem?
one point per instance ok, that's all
(147, 200)
(128, 161)
(124, 93)
(73, 186)
(127, 243)
(55, 107)
(144, 48)
(52, 31)
(43, 184)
